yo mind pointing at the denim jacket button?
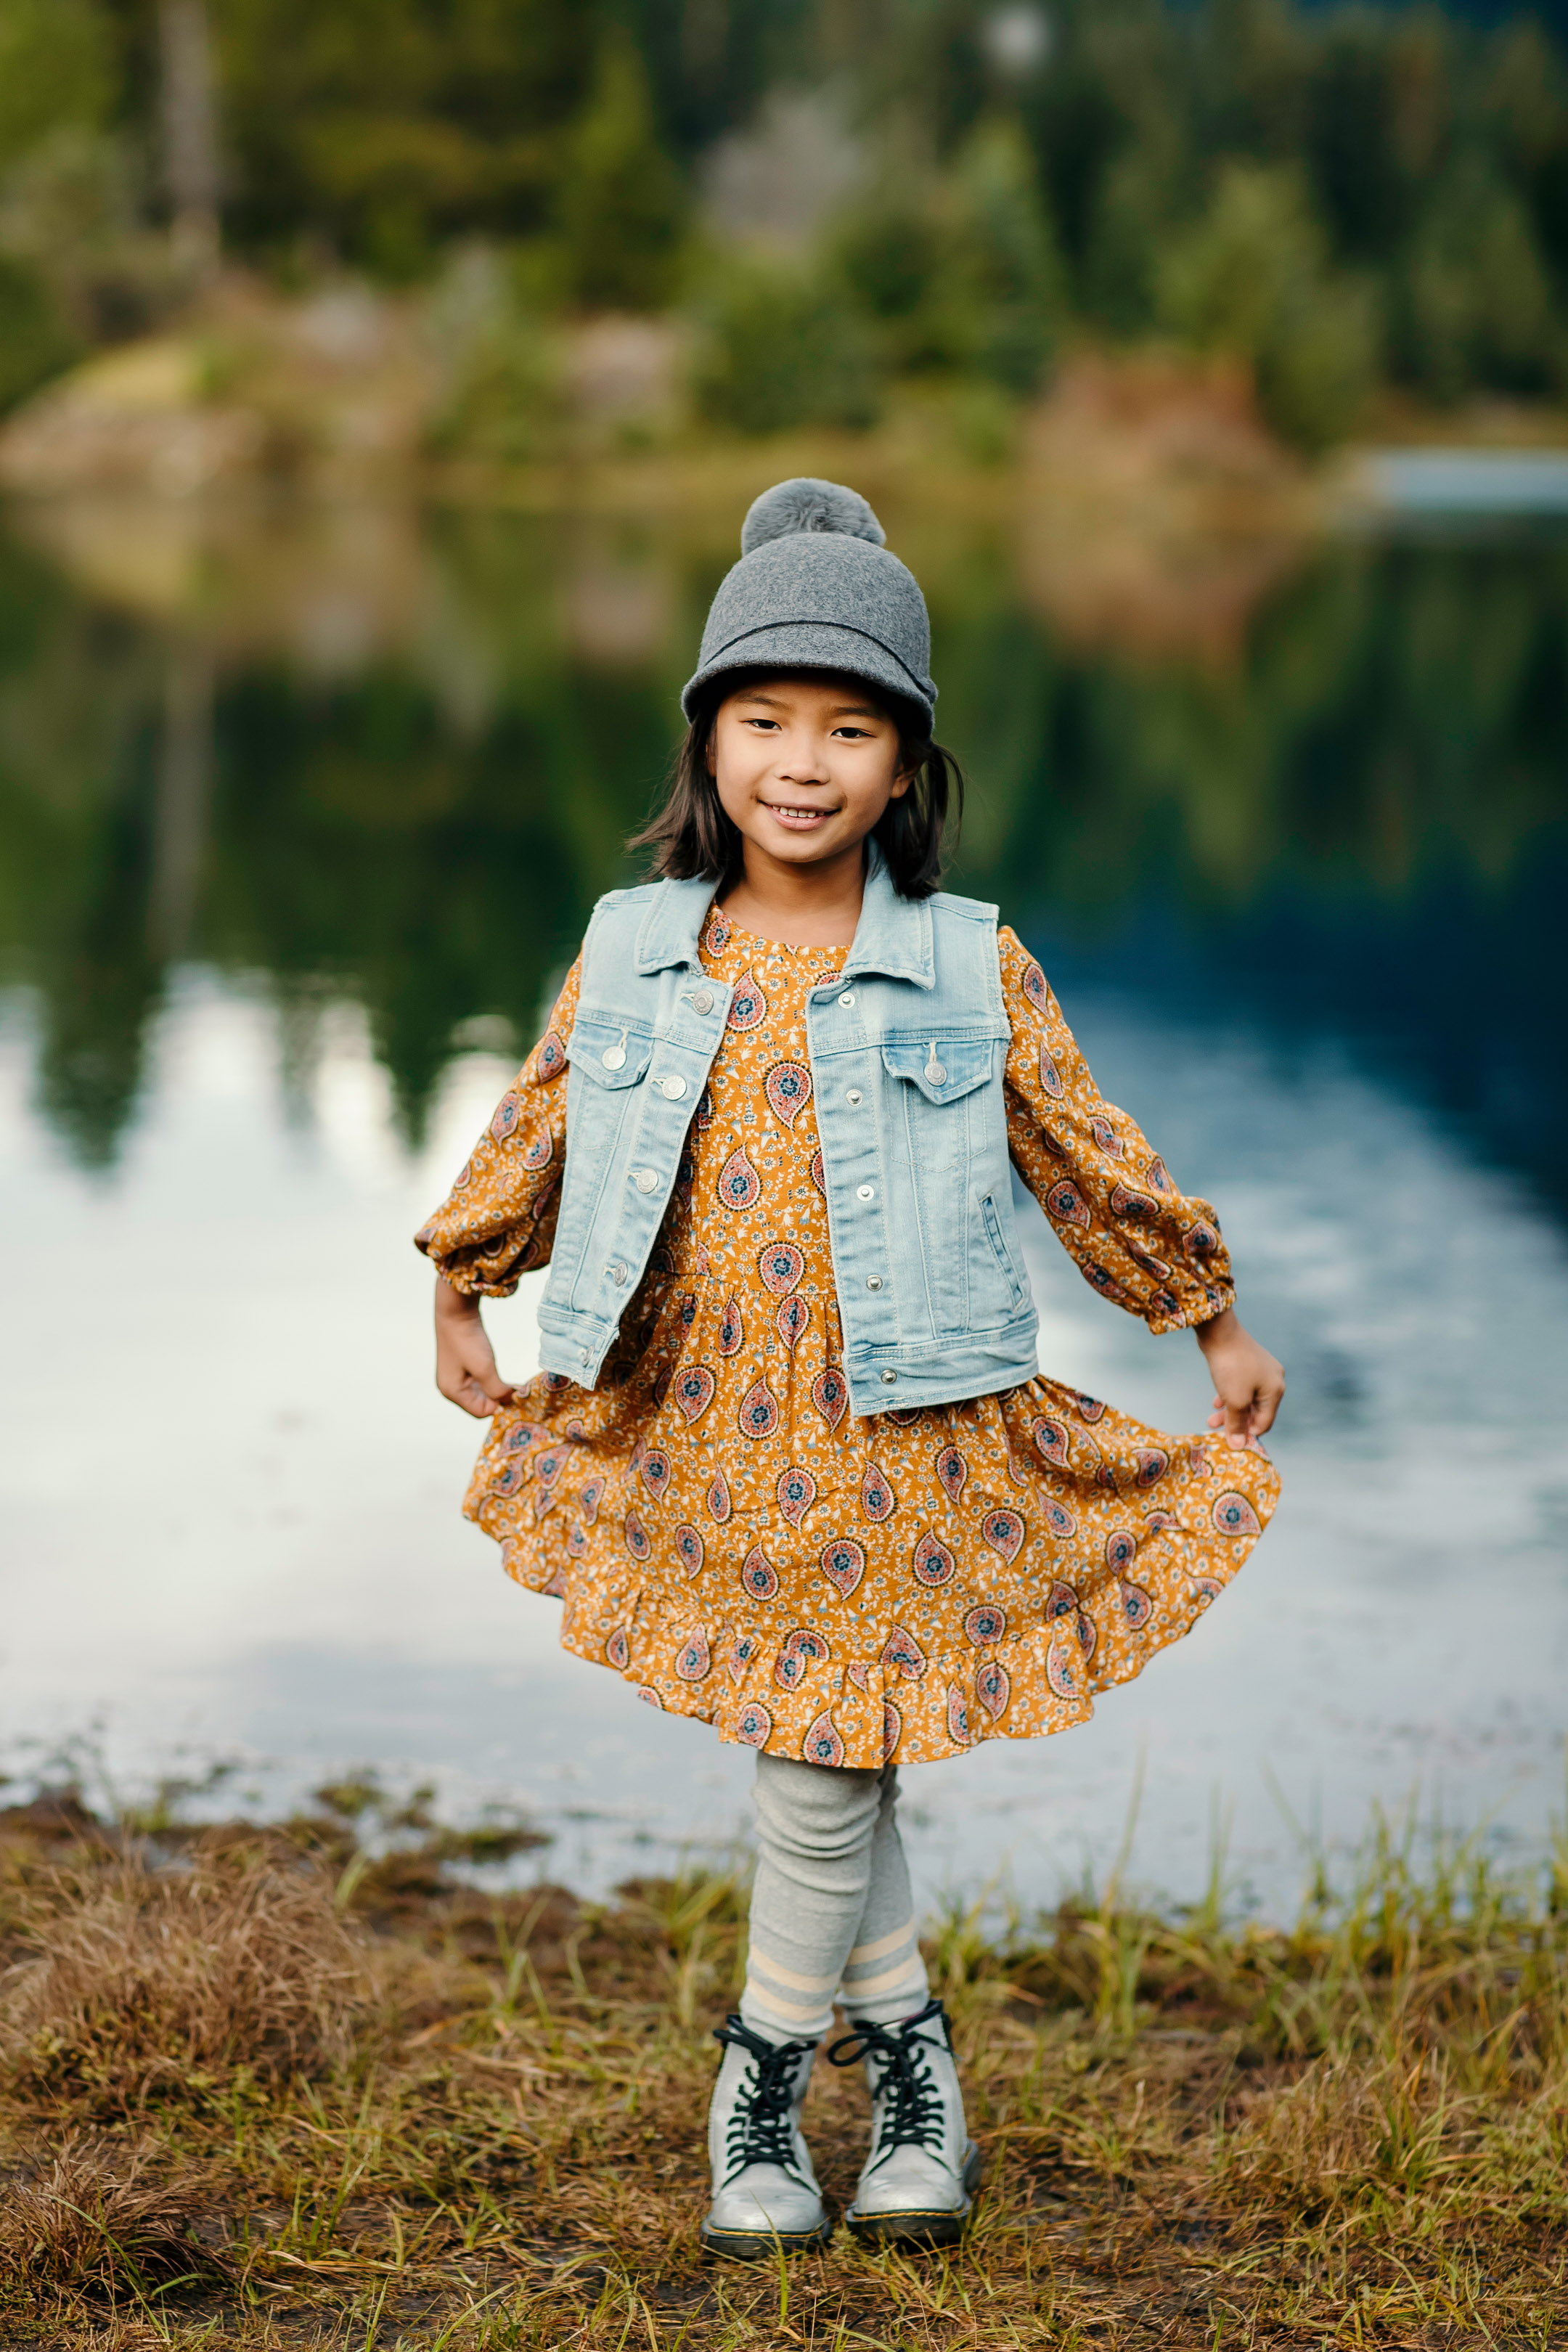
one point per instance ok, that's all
(848, 999)
(852, 1094)
(672, 1089)
(873, 1282)
(865, 1192)
(703, 1000)
(889, 1377)
(617, 1274)
(645, 1179)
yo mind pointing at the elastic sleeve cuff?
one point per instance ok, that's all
(1201, 1310)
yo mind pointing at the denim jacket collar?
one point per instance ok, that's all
(893, 936)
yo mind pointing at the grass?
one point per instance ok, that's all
(291, 2086)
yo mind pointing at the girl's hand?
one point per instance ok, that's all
(1248, 1381)
(465, 1360)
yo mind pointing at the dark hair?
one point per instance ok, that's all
(690, 835)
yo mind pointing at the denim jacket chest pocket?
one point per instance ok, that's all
(945, 1103)
(606, 1090)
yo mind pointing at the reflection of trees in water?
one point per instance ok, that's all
(1380, 768)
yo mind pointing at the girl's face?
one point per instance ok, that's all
(804, 769)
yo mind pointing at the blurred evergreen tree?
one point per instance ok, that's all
(620, 205)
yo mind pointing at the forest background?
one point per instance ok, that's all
(831, 212)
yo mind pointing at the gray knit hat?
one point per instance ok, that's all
(816, 588)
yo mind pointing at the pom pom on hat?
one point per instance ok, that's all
(806, 504)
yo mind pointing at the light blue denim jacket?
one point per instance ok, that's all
(908, 1047)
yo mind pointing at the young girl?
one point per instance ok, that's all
(790, 1467)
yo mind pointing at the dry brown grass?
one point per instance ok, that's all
(259, 2090)
(130, 1984)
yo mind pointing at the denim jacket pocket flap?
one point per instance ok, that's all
(610, 1056)
(945, 1069)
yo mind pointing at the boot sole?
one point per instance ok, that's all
(753, 2246)
(917, 2227)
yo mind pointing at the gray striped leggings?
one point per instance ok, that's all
(831, 1909)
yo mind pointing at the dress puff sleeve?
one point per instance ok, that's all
(1111, 1199)
(498, 1219)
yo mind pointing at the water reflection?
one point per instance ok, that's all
(399, 764)
(301, 814)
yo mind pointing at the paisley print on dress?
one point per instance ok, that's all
(1233, 1515)
(902, 1654)
(1050, 1076)
(892, 1729)
(932, 1561)
(1004, 1531)
(1106, 1137)
(953, 1470)
(1034, 984)
(1137, 1606)
(992, 1688)
(753, 1725)
(539, 1153)
(798, 1655)
(1089, 1407)
(791, 1321)
(693, 1390)
(822, 1744)
(689, 1547)
(655, 1471)
(1121, 1550)
(692, 1660)
(748, 1006)
(592, 1495)
(781, 1266)
(957, 1714)
(1064, 1661)
(877, 1498)
(759, 1415)
(818, 1173)
(1139, 1206)
(1051, 1440)
(637, 1536)
(1067, 1205)
(796, 1492)
(830, 1395)
(508, 1111)
(717, 1497)
(552, 1055)
(731, 1330)
(844, 1562)
(1060, 1520)
(987, 1624)
(788, 1090)
(740, 1186)
(618, 1650)
(758, 1579)
(1152, 1464)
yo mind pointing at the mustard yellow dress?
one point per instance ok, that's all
(722, 1531)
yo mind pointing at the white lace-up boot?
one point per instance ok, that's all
(919, 2180)
(765, 2194)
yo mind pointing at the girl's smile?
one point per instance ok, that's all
(804, 768)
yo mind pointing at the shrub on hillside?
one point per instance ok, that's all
(780, 346)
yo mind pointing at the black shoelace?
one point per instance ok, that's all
(911, 2112)
(759, 2130)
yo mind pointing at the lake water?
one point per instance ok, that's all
(300, 816)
